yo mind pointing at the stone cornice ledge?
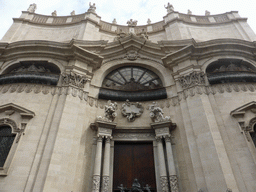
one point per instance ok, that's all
(210, 48)
(38, 48)
(163, 124)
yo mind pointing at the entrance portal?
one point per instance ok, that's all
(134, 160)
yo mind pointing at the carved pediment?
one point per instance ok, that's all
(240, 111)
(10, 108)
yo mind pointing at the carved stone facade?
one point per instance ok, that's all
(190, 81)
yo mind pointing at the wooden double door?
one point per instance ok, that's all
(134, 160)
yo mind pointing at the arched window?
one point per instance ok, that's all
(230, 70)
(132, 83)
(39, 72)
(6, 141)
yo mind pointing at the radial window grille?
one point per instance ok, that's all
(132, 79)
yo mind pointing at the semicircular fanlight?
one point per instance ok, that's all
(132, 79)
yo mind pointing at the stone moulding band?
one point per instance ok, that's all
(83, 95)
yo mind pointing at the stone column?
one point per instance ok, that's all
(171, 166)
(97, 166)
(106, 166)
(162, 167)
(162, 129)
(104, 130)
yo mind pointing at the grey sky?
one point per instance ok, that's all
(124, 10)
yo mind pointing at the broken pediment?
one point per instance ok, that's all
(240, 111)
(17, 113)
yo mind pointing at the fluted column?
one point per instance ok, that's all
(162, 167)
(106, 166)
(171, 166)
(97, 166)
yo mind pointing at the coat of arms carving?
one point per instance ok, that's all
(132, 110)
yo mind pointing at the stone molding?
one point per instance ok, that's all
(94, 102)
(45, 89)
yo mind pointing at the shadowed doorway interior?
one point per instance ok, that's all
(134, 160)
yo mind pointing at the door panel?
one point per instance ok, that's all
(133, 160)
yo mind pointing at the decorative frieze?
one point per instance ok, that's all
(134, 136)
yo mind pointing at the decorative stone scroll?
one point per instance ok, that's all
(132, 110)
(75, 79)
(110, 112)
(192, 79)
(156, 113)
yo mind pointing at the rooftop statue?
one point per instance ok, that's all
(114, 21)
(169, 8)
(149, 21)
(189, 12)
(207, 13)
(132, 23)
(156, 113)
(73, 12)
(54, 13)
(92, 8)
(32, 8)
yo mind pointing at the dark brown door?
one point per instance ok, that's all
(134, 160)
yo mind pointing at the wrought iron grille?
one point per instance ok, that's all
(6, 140)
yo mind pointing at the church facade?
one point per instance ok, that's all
(92, 106)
